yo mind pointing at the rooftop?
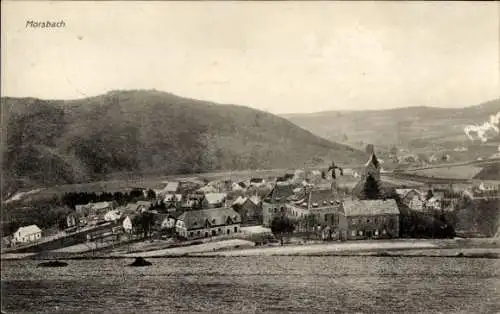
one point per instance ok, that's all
(316, 199)
(214, 198)
(29, 229)
(212, 217)
(279, 193)
(370, 207)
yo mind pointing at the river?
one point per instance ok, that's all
(303, 284)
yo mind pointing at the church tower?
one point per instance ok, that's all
(372, 166)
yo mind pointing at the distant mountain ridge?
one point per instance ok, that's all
(55, 141)
(417, 126)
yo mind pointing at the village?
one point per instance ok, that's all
(305, 205)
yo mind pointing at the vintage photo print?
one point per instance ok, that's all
(250, 157)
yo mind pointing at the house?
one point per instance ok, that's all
(274, 202)
(214, 200)
(257, 182)
(127, 224)
(412, 198)
(238, 186)
(286, 178)
(365, 219)
(27, 234)
(316, 210)
(138, 207)
(192, 201)
(168, 223)
(208, 222)
(172, 187)
(112, 215)
(172, 198)
(250, 210)
(100, 208)
(434, 203)
(71, 221)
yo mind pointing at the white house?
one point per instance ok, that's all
(28, 234)
(168, 223)
(172, 198)
(127, 224)
(112, 215)
(214, 200)
(434, 203)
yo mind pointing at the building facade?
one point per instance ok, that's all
(27, 234)
(371, 219)
(318, 212)
(275, 201)
(206, 223)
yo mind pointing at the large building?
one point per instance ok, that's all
(206, 223)
(371, 219)
(317, 211)
(250, 210)
(275, 201)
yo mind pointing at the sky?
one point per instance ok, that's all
(282, 57)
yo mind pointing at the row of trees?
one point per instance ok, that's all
(72, 199)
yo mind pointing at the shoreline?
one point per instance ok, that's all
(456, 248)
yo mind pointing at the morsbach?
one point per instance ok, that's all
(45, 24)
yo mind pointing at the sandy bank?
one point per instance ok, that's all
(179, 251)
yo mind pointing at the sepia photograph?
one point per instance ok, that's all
(250, 157)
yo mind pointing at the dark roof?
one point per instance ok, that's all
(370, 207)
(256, 180)
(317, 199)
(195, 219)
(279, 193)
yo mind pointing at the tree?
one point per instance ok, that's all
(371, 188)
(151, 194)
(281, 226)
(429, 195)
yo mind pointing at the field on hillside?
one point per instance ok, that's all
(417, 127)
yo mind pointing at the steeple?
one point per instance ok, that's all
(372, 166)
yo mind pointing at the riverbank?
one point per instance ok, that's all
(485, 248)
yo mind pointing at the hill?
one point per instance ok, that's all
(419, 128)
(53, 141)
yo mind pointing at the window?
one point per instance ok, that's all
(198, 233)
(384, 232)
(354, 221)
(368, 220)
(191, 234)
(213, 232)
(218, 230)
(235, 229)
(353, 233)
(376, 232)
(360, 233)
(228, 231)
(326, 218)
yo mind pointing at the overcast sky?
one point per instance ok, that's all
(281, 57)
